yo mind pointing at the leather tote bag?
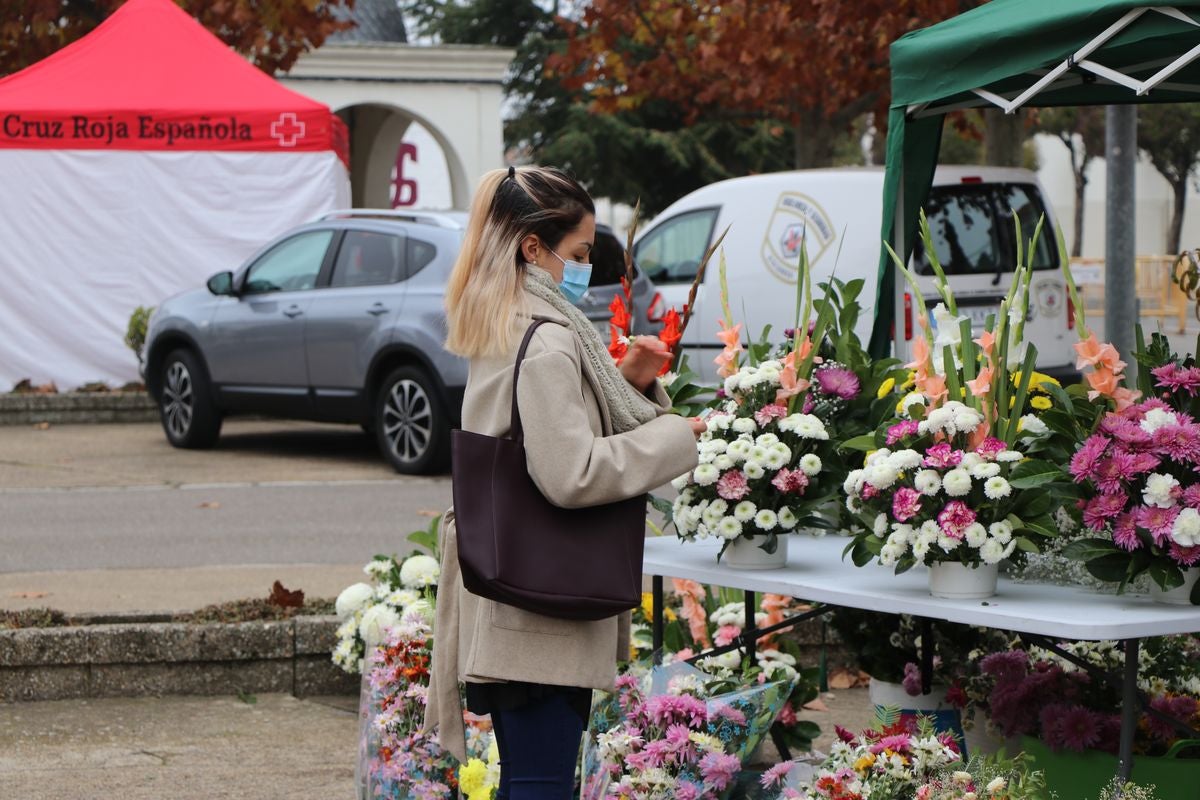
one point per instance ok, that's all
(518, 548)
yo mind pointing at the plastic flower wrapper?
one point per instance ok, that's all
(665, 733)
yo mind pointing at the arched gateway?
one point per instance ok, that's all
(379, 89)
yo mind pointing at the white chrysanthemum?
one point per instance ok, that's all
(732, 383)
(806, 426)
(854, 481)
(766, 519)
(902, 533)
(975, 535)
(353, 598)
(997, 488)
(767, 440)
(906, 459)
(1185, 532)
(775, 459)
(957, 482)
(787, 518)
(882, 476)
(930, 531)
(378, 567)
(967, 419)
(810, 464)
(1159, 487)
(720, 422)
(420, 570)
(723, 462)
(970, 461)
(996, 785)
(890, 554)
(680, 483)
(948, 543)
(706, 474)
(705, 456)
(754, 469)
(757, 453)
(1032, 425)
(738, 450)
(1001, 531)
(1009, 456)
(744, 425)
(744, 511)
(853, 504)
(920, 549)
(1157, 418)
(992, 552)
(348, 628)
(402, 598)
(880, 525)
(713, 513)
(715, 446)
(984, 470)
(375, 623)
(911, 399)
(928, 482)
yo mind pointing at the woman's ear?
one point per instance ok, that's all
(531, 247)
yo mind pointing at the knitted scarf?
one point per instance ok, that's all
(625, 409)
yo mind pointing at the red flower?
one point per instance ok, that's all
(616, 347)
(620, 315)
(670, 336)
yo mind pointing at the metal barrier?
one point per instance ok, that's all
(1158, 296)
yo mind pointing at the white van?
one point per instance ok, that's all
(970, 215)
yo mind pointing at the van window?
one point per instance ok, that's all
(671, 252)
(973, 233)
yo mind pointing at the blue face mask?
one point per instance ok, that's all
(575, 278)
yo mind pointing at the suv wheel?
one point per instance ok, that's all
(411, 425)
(189, 417)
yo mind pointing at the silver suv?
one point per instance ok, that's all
(339, 320)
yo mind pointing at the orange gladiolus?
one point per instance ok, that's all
(933, 386)
(732, 339)
(986, 341)
(616, 347)
(670, 333)
(982, 384)
(1103, 382)
(1125, 397)
(790, 384)
(620, 315)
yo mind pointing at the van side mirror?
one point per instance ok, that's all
(221, 284)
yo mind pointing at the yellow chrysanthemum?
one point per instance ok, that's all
(885, 388)
(1040, 403)
(648, 605)
(471, 776)
(669, 615)
(912, 380)
(864, 763)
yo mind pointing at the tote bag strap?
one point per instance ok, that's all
(517, 433)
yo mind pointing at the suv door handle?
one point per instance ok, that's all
(377, 309)
(293, 311)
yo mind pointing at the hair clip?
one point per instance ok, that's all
(512, 172)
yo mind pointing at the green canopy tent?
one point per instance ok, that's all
(1012, 54)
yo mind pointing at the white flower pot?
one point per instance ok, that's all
(744, 553)
(893, 695)
(955, 581)
(1180, 595)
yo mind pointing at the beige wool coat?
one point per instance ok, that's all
(576, 461)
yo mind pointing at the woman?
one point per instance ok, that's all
(594, 434)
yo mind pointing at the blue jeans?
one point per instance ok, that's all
(539, 745)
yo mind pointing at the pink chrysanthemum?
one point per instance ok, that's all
(901, 429)
(1126, 432)
(1142, 463)
(906, 504)
(1185, 556)
(718, 769)
(769, 412)
(1180, 442)
(1079, 729)
(733, 485)
(942, 456)
(1102, 508)
(776, 774)
(1174, 378)
(1180, 707)
(838, 381)
(1158, 521)
(1191, 496)
(1125, 532)
(990, 447)
(790, 481)
(1110, 473)
(900, 743)
(955, 518)
(1083, 463)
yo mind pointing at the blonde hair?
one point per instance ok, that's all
(485, 292)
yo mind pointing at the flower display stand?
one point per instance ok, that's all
(1084, 774)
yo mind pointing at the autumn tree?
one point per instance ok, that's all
(1081, 130)
(271, 33)
(813, 65)
(1169, 135)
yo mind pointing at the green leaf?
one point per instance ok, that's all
(664, 507)
(1166, 576)
(862, 443)
(1114, 567)
(860, 554)
(1026, 545)
(1091, 548)
(1034, 473)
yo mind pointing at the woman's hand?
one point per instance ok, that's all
(699, 426)
(643, 360)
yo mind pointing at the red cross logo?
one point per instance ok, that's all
(792, 238)
(287, 129)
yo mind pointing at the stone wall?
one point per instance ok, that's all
(84, 407)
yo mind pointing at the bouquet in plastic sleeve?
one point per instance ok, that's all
(667, 734)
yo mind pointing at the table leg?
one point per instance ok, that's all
(1129, 710)
(657, 622)
(751, 628)
(927, 648)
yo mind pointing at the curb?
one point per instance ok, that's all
(140, 659)
(77, 408)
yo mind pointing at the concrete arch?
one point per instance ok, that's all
(455, 92)
(376, 131)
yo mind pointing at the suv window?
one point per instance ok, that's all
(289, 266)
(973, 231)
(671, 252)
(366, 258)
(420, 255)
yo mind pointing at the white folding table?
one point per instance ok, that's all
(1045, 614)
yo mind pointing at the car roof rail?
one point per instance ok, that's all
(422, 217)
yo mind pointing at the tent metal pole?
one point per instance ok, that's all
(1120, 295)
(898, 284)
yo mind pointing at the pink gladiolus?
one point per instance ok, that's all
(982, 384)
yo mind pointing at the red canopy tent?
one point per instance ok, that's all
(134, 163)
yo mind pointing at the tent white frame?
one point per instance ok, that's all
(1064, 74)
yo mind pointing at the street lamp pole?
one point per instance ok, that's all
(1120, 252)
